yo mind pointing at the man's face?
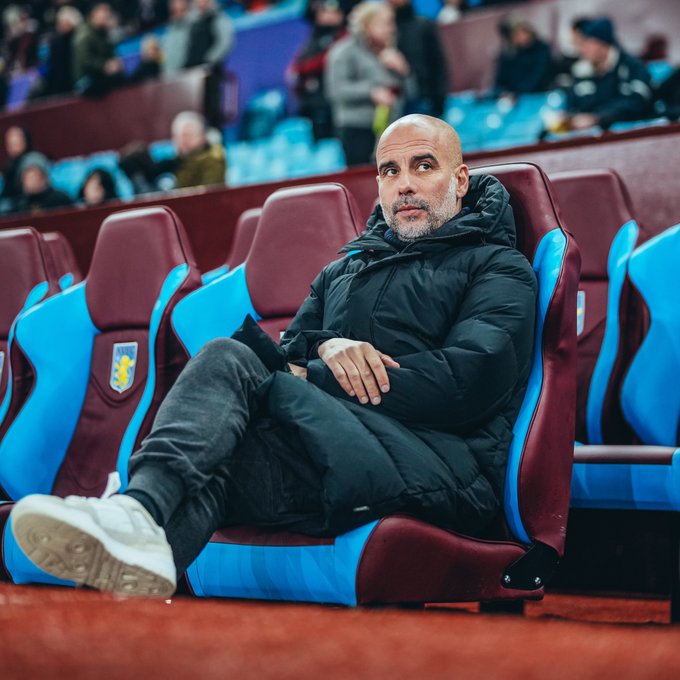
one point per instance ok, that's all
(593, 50)
(189, 137)
(15, 142)
(33, 181)
(179, 8)
(101, 16)
(419, 182)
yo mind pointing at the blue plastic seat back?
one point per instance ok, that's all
(650, 395)
(103, 358)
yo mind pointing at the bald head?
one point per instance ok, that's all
(421, 175)
(447, 138)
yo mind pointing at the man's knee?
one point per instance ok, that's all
(223, 352)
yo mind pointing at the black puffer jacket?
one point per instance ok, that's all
(457, 312)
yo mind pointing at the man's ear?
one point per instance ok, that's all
(463, 180)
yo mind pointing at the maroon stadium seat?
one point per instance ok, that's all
(87, 413)
(596, 209)
(244, 233)
(300, 230)
(402, 559)
(61, 258)
(25, 279)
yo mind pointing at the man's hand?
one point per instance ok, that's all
(298, 371)
(583, 121)
(358, 367)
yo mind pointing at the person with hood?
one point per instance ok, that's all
(395, 388)
(615, 86)
(37, 194)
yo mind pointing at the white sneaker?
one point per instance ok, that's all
(110, 544)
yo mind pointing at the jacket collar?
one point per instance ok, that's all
(488, 219)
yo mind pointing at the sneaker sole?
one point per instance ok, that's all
(69, 553)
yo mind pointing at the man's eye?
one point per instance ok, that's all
(390, 172)
(424, 166)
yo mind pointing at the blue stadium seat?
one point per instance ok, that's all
(646, 476)
(104, 356)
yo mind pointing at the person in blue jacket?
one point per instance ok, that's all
(395, 388)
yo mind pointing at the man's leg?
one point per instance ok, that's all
(115, 544)
(198, 427)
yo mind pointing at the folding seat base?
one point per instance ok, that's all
(395, 560)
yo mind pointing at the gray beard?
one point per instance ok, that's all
(436, 217)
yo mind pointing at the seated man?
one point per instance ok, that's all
(199, 162)
(409, 363)
(609, 84)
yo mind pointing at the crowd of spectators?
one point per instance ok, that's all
(363, 65)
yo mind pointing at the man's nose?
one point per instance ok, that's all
(406, 184)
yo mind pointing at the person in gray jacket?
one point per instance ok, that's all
(367, 80)
(176, 39)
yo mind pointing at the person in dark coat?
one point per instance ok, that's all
(525, 62)
(96, 68)
(18, 143)
(395, 388)
(616, 86)
(59, 77)
(306, 71)
(37, 194)
(418, 40)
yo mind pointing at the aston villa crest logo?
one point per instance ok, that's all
(123, 366)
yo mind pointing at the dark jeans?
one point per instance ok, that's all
(212, 458)
(358, 145)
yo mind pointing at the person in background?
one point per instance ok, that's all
(96, 68)
(616, 87)
(418, 40)
(211, 35)
(151, 58)
(18, 144)
(21, 37)
(525, 62)
(198, 163)
(37, 194)
(211, 39)
(367, 80)
(59, 73)
(149, 14)
(307, 68)
(176, 38)
(569, 65)
(98, 187)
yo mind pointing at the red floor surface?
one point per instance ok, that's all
(63, 633)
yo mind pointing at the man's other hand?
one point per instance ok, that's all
(298, 371)
(358, 367)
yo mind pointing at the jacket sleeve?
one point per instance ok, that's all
(304, 335)
(341, 83)
(484, 359)
(634, 97)
(224, 40)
